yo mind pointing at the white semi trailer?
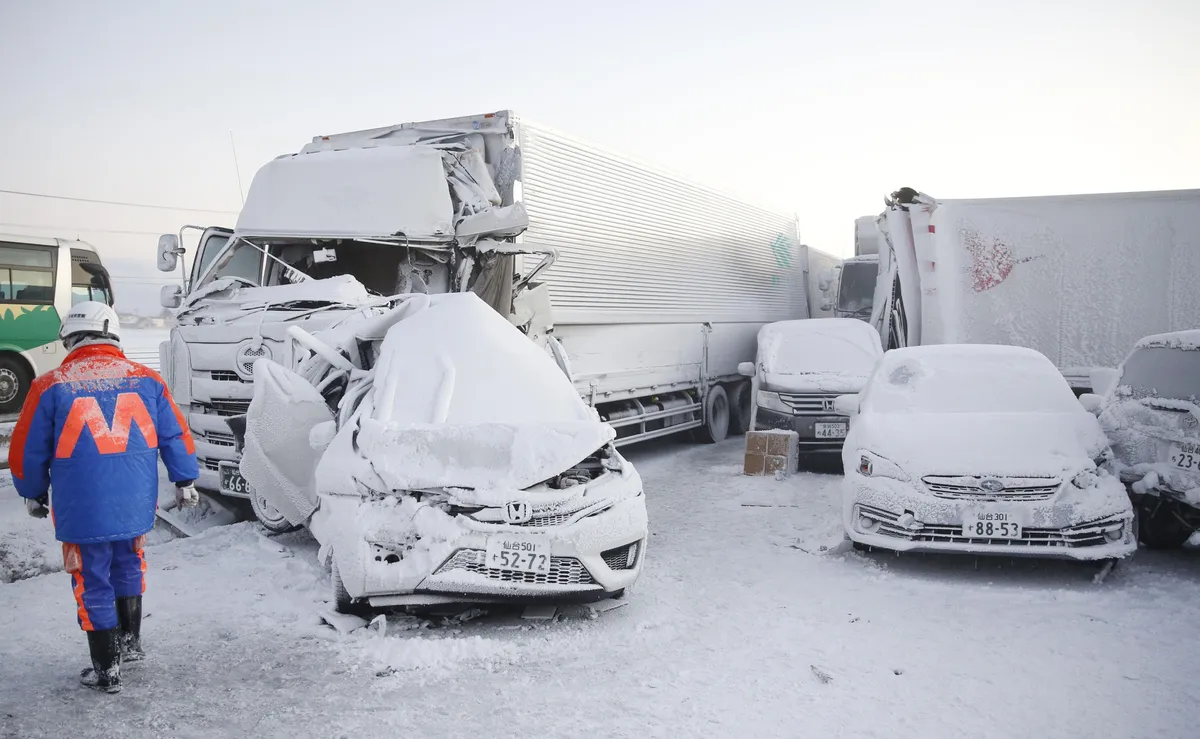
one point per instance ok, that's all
(1080, 278)
(649, 290)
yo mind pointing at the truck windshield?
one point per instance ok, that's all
(857, 289)
(1162, 372)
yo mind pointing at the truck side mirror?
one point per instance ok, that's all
(846, 405)
(170, 296)
(746, 369)
(168, 252)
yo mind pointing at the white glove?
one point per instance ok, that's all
(186, 496)
(36, 507)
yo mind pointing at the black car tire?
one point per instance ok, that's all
(1159, 526)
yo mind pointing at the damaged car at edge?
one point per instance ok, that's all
(439, 456)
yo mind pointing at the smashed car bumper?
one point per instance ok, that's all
(890, 514)
(591, 558)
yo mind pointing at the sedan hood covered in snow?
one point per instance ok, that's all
(1015, 444)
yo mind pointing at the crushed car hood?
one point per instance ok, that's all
(462, 399)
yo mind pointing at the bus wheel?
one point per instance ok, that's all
(15, 379)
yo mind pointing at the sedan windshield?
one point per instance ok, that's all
(1161, 372)
(967, 384)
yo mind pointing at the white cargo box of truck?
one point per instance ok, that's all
(1080, 278)
(649, 290)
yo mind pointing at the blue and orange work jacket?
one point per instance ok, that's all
(94, 428)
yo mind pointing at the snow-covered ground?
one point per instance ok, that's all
(740, 626)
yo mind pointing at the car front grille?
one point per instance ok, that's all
(551, 519)
(563, 570)
(811, 405)
(1089, 534)
(968, 487)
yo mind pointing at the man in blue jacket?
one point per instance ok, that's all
(94, 428)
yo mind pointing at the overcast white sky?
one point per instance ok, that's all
(820, 108)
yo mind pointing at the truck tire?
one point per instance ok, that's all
(1160, 528)
(271, 519)
(716, 417)
(740, 408)
(15, 379)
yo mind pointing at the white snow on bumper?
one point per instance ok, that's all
(890, 514)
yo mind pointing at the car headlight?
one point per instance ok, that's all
(772, 402)
(1085, 479)
(873, 465)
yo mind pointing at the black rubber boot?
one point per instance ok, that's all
(105, 673)
(129, 612)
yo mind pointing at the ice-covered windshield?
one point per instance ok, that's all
(857, 289)
(825, 345)
(988, 382)
(1162, 372)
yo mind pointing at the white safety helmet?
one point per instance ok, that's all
(90, 320)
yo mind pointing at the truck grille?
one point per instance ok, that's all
(224, 407)
(563, 570)
(968, 487)
(224, 376)
(1089, 534)
(812, 405)
(218, 439)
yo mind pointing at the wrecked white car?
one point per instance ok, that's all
(439, 456)
(1152, 417)
(980, 450)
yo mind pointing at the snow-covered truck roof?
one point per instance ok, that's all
(368, 193)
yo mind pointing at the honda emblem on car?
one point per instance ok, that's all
(992, 485)
(518, 511)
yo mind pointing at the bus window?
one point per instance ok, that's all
(26, 274)
(89, 279)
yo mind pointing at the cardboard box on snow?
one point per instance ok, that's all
(769, 452)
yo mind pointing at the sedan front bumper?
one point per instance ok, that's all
(889, 514)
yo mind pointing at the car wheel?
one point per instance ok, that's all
(1159, 526)
(270, 517)
(740, 408)
(342, 602)
(716, 417)
(15, 379)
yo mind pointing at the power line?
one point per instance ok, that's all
(114, 202)
(68, 229)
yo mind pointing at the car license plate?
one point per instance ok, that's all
(1185, 457)
(232, 481)
(991, 525)
(830, 430)
(517, 554)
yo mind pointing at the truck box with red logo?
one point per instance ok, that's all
(1080, 278)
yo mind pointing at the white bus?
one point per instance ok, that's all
(40, 279)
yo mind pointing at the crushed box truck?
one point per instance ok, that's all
(1080, 278)
(648, 290)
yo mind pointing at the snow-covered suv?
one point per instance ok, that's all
(1152, 416)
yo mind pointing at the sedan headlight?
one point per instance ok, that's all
(873, 465)
(1085, 479)
(772, 402)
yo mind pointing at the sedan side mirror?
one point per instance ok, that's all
(1091, 402)
(170, 296)
(168, 252)
(846, 405)
(746, 369)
